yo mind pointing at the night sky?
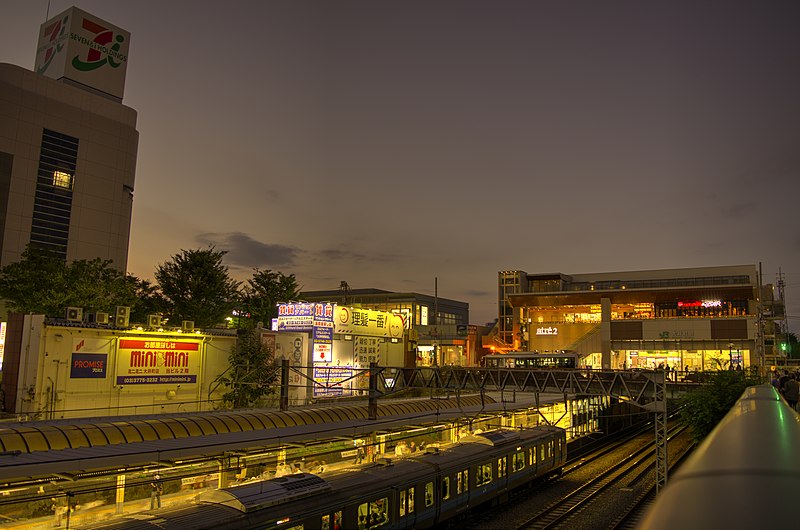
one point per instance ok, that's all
(391, 143)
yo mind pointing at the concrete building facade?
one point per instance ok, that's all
(68, 145)
(705, 318)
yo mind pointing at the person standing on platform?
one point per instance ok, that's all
(156, 489)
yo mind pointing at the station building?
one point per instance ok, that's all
(68, 145)
(705, 318)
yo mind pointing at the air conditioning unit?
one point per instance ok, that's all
(75, 314)
(187, 325)
(101, 318)
(153, 321)
(122, 316)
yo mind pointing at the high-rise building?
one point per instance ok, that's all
(68, 145)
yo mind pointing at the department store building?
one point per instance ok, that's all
(706, 318)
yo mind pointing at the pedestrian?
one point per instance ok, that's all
(57, 511)
(156, 489)
(791, 391)
(359, 455)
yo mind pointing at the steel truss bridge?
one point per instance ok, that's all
(647, 389)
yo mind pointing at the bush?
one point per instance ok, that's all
(704, 407)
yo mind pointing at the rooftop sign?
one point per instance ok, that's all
(85, 50)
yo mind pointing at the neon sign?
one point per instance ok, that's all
(547, 331)
(704, 303)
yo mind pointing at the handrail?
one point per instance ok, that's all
(745, 474)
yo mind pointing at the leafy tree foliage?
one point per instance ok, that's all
(148, 300)
(253, 373)
(43, 283)
(705, 407)
(196, 286)
(262, 293)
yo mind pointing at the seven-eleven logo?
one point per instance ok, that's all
(99, 54)
(55, 33)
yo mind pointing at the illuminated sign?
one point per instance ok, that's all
(333, 381)
(296, 316)
(366, 350)
(552, 330)
(703, 303)
(157, 361)
(2, 342)
(88, 365)
(83, 48)
(359, 321)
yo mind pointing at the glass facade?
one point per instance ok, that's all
(52, 206)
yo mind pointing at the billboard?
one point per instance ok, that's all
(87, 50)
(157, 361)
(357, 321)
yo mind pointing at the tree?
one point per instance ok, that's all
(148, 300)
(253, 372)
(264, 291)
(196, 286)
(43, 283)
(705, 407)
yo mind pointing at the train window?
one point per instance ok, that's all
(445, 488)
(373, 514)
(483, 474)
(337, 520)
(550, 449)
(518, 461)
(326, 522)
(541, 452)
(429, 494)
(466, 480)
(501, 467)
(406, 501)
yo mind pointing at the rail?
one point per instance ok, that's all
(744, 475)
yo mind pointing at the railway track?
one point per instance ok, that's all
(562, 512)
(576, 471)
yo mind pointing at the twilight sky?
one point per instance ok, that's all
(391, 143)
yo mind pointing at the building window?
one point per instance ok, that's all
(62, 179)
(52, 205)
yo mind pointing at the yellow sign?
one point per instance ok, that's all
(357, 321)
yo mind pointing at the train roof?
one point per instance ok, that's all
(264, 493)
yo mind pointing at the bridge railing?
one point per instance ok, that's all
(745, 474)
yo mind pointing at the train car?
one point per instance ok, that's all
(418, 491)
(559, 359)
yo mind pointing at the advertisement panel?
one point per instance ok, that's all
(88, 365)
(151, 361)
(322, 333)
(366, 350)
(333, 381)
(83, 48)
(358, 321)
(295, 316)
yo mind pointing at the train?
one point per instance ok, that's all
(556, 359)
(422, 490)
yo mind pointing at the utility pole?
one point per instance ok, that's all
(436, 320)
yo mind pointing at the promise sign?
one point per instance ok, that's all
(157, 362)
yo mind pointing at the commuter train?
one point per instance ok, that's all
(421, 490)
(550, 360)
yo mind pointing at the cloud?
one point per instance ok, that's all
(246, 252)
